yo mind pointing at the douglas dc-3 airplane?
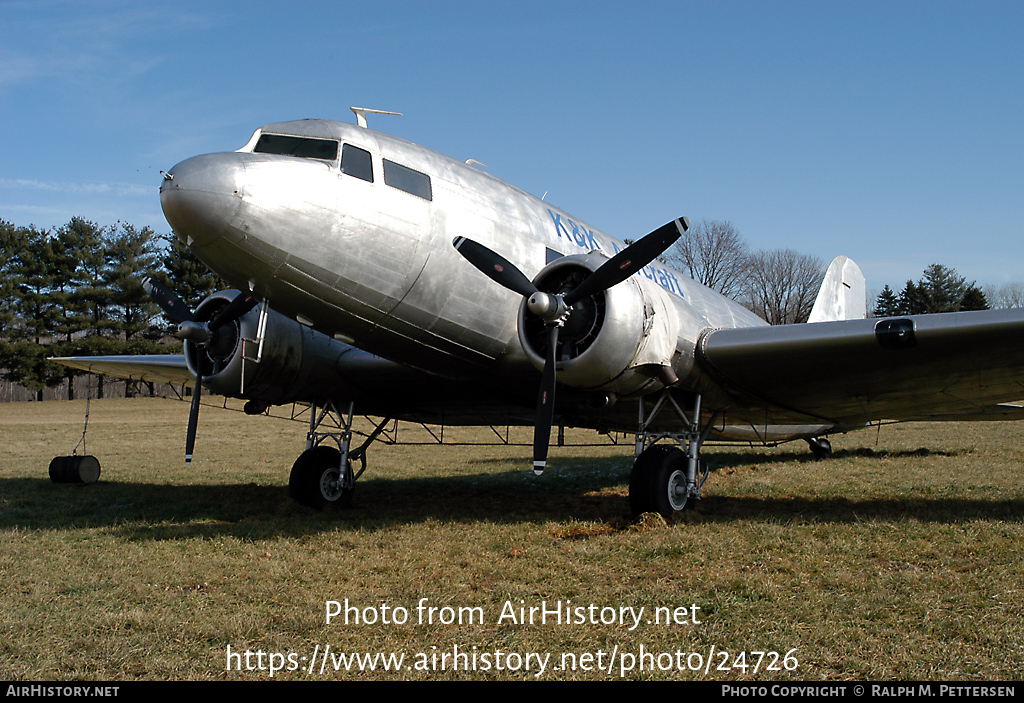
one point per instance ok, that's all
(380, 277)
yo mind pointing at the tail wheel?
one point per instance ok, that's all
(317, 480)
(820, 447)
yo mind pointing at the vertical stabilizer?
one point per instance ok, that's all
(842, 295)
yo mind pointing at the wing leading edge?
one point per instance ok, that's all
(942, 366)
(154, 368)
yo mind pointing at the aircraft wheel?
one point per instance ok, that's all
(316, 480)
(658, 482)
(821, 448)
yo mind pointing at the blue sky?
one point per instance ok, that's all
(891, 132)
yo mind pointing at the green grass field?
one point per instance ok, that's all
(899, 558)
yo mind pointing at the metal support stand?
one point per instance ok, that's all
(340, 431)
(327, 422)
(689, 440)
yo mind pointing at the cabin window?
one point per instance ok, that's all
(306, 147)
(405, 178)
(356, 162)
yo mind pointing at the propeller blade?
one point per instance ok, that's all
(168, 301)
(628, 261)
(552, 308)
(193, 420)
(495, 267)
(236, 308)
(189, 328)
(545, 405)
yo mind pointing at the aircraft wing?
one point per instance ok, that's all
(942, 366)
(379, 387)
(155, 368)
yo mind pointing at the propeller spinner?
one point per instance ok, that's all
(554, 309)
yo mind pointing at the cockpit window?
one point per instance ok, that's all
(356, 162)
(307, 147)
(405, 178)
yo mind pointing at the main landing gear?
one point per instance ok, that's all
(322, 477)
(666, 478)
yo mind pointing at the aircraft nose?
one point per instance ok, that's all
(200, 196)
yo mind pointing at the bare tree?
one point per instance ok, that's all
(782, 285)
(713, 253)
(1008, 295)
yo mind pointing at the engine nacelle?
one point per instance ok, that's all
(294, 362)
(612, 341)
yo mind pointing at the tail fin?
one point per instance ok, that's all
(842, 295)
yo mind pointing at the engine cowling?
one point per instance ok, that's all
(294, 362)
(611, 341)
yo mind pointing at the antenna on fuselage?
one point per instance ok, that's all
(362, 112)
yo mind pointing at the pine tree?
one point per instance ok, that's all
(974, 299)
(887, 304)
(87, 241)
(83, 294)
(32, 264)
(942, 289)
(131, 257)
(8, 244)
(186, 275)
(912, 300)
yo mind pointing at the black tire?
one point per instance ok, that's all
(821, 448)
(657, 472)
(314, 480)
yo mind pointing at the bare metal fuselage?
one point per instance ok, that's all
(373, 265)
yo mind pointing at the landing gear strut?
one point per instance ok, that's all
(322, 477)
(666, 479)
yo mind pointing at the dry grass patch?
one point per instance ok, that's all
(898, 558)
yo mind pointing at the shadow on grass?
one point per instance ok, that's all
(844, 510)
(586, 489)
(570, 489)
(723, 459)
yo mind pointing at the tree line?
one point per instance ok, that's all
(781, 285)
(76, 290)
(940, 289)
